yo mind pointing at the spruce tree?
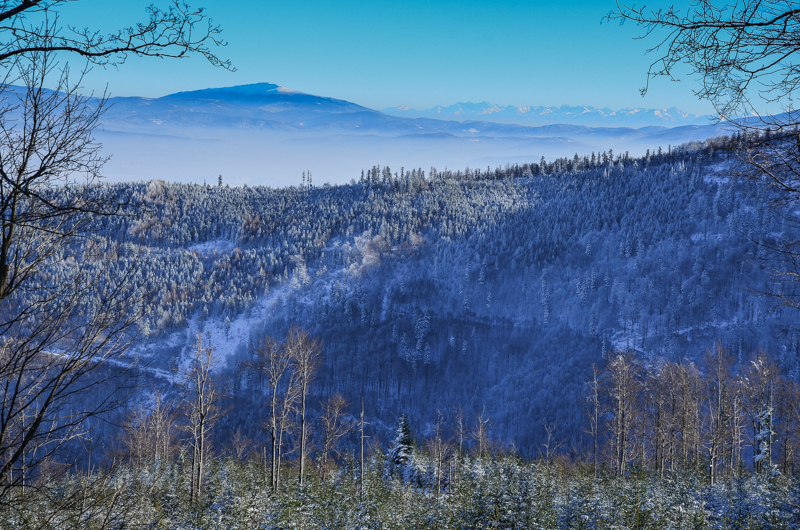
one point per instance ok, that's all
(403, 449)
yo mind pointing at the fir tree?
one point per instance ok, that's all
(403, 450)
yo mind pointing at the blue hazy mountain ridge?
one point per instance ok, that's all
(542, 115)
(247, 106)
(258, 104)
(268, 134)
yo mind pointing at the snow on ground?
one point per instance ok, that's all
(224, 341)
(208, 247)
(317, 282)
(227, 342)
(144, 367)
(697, 237)
(144, 355)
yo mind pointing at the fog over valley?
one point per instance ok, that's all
(264, 134)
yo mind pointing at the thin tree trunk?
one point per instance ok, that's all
(362, 447)
(303, 432)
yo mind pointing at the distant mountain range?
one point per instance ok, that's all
(563, 114)
(266, 105)
(268, 134)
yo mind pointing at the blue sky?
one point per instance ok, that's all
(386, 53)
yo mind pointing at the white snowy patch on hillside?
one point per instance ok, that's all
(219, 245)
(143, 354)
(227, 340)
(704, 237)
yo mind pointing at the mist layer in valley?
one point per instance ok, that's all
(265, 134)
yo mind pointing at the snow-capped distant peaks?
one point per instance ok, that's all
(562, 114)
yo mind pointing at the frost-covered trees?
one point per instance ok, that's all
(760, 386)
(539, 309)
(402, 453)
(421, 330)
(745, 60)
(545, 298)
(505, 491)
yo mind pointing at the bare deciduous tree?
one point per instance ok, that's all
(689, 385)
(718, 393)
(740, 51)
(439, 450)
(306, 354)
(32, 26)
(747, 57)
(240, 445)
(274, 363)
(150, 432)
(200, 404)
(68, 302)
(336, 425)
(593, 413)
(459, 428)
(480, 433)
(622, 387)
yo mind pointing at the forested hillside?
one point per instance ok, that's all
(486, 290)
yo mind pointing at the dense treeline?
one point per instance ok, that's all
(276, 229)
(503, 492)
(491, 490)
(672, 440)
(475, 302)
(710, 416)
(475, 288)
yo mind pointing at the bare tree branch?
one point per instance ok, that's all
(70, 301)
(175, 32)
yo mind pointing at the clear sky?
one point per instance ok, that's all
(383, 53)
